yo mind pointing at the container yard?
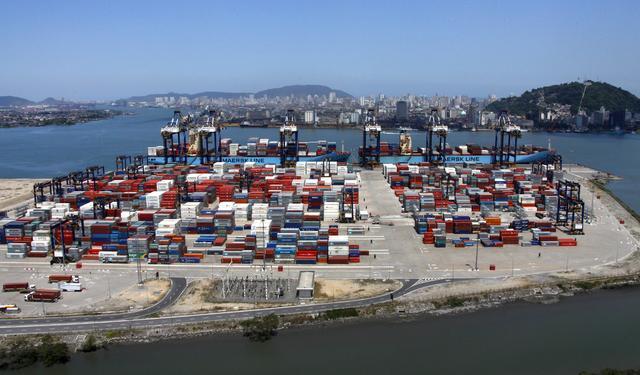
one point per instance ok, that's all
(180, 214)
(507, 206)
(99, 231)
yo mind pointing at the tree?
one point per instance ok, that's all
(19, 353)
(260, 329)
(90, 344)
(53, 352)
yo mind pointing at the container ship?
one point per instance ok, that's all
(505, 150)
(402, 152)
(188, 140)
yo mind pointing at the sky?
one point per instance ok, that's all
(101, 49)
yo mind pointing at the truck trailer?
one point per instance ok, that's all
(21, 287)
(43, 295)
(64, 278)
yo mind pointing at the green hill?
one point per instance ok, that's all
(11, 101)
(598, 94)
(302, 91)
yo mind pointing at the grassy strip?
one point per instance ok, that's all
(20, 353)
(624, 205)
(341, 313)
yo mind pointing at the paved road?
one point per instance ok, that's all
(127, 321)
(178, 285)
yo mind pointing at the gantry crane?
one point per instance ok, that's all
(200, 132)
(370, 152)
(178, 127)
(289, 140)
(570, 209)
(434, 126)
(122, 162)
(504, 128)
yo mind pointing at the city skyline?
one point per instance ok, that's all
(137, 49)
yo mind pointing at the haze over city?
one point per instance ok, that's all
(115, 49)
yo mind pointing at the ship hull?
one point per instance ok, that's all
(468, 159)
(262, 160)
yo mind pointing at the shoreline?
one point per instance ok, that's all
(106, 115)
(438, 300)
(419, 129)
(398, 311)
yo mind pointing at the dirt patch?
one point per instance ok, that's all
(15, 191)
(134, 297)
(326, 290)
(199, 297)
(469, 287)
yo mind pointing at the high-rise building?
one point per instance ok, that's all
(619, 118)
(599, 118)
(309, 117)
(402, 110)
(332, 97)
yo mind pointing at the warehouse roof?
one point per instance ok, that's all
(306, 280)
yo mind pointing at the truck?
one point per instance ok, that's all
(70, 287)
(114, 259)
(64, 278)
(21, 287)
(9, 309)
(43, 295)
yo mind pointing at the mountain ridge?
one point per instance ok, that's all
(295, 90)
(596, 95)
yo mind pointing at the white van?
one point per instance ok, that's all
(70, 287)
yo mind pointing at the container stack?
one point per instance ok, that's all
(307, 252)
(286, 246)
(164, 185)
(331, 211)
(138, 245)
(354, 253)
(338, 250)
(153, 199)
(224, 222)
(170, 249)
(190, 210)
(167, 227)
(509, 237)
(411, 201)
(276, 215)
(261, 228)
(259, 211)
(242, 212)
(462, 225)
(17, 250)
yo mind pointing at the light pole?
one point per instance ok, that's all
(593, 193)
(108, 287)
(512, 264)
(264, 257)
(477, 247)
(617, 251)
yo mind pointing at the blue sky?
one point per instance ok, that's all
(95, 49)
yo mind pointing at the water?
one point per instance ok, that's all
(587, 332)
(57, 150)
(581, 333)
